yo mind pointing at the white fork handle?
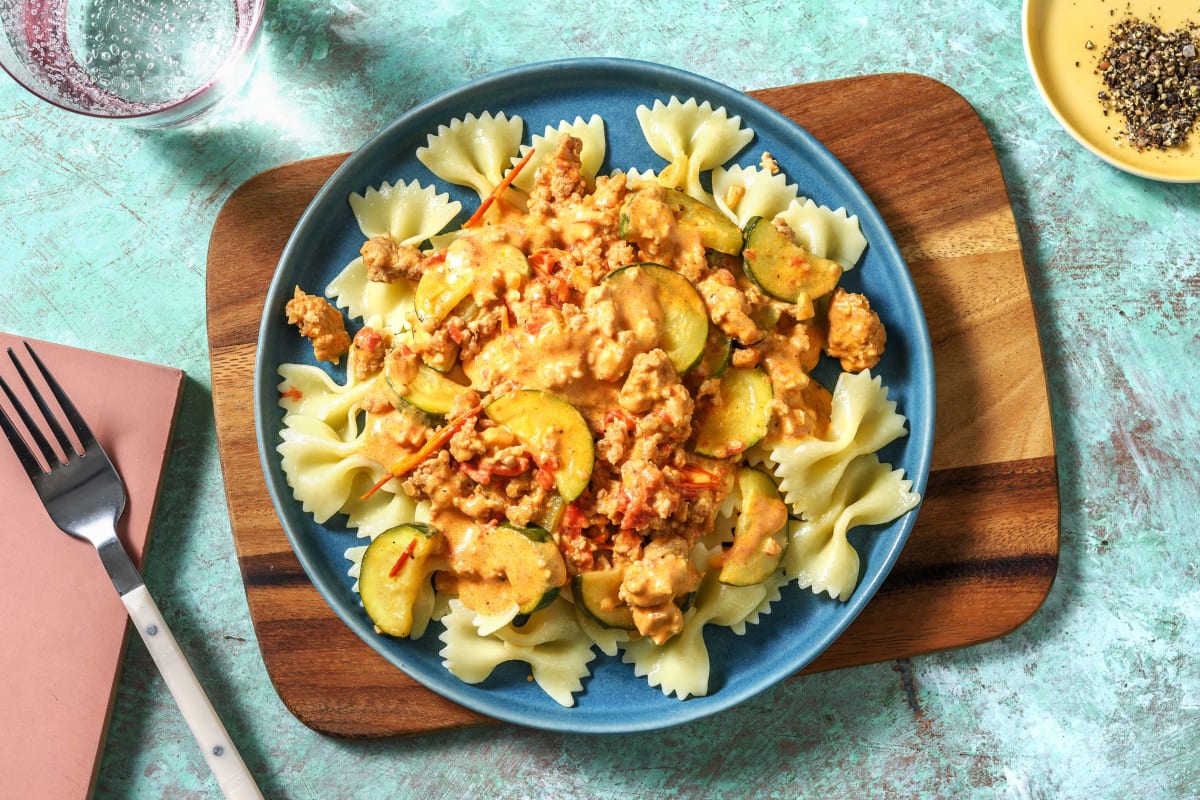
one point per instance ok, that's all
(223, 758)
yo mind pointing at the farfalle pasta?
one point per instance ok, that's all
(549, 641)
(474, 151)
(584, 419)
(743, 193)
(693, 138)
(829, 233)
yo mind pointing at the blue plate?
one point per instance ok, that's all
(327, 238)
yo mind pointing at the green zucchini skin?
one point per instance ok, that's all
(596, 593)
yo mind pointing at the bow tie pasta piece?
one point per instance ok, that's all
(745, 192)
(826, 233)
(407, 212)
(474, 151)
(608, 640)
(308, 391)
(384, 306)
(693, 138)
(550, 641)
(862, 420)
(820, 556)
(323, 470)
(589, 132)
(636, 176)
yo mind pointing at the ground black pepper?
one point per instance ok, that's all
(1152, 80)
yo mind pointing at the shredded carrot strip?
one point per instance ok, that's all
(477, 217)
(403, 559)
(292, 394)
(377, 486)
(696, 472)
(435, 443)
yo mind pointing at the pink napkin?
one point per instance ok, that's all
(62, 626)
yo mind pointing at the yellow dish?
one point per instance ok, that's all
(1056, 33)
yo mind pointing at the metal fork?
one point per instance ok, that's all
(85, 497)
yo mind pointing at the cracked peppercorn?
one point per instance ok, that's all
(1152, 80)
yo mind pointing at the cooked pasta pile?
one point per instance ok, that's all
(707, 468)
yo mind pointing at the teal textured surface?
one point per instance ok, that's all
(1097, 696)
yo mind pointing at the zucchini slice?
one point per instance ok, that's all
(552, 514)
(597, 592)
(553, 431)
(715, 230)
(516, 566)
(739, 418)
(424, 387)
(760, 535)
(471, 266)
(638, 288)
(395, 569)
(783, 269)
(445, 284)
(718, 352)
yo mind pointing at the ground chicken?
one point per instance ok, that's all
(856, 336)
(650, 378)
(559, 179)
(652, 583)
(320, 322)
(387, 262)
(728, 307)
(370, 350)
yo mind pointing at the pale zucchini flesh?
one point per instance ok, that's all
(714, 230)
(760, 536)
(444, 285)
(425, 387)
(738, 418)
(597, 592)
(470, 268)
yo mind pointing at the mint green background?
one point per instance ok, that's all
(105, 230)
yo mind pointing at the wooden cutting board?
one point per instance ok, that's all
(984, 551)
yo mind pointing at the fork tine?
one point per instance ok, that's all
(34, 429)
(78, 423)
(28, 460)
(73, 416)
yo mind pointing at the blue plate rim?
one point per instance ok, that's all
(446, 106)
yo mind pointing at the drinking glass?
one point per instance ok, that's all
(150, 63)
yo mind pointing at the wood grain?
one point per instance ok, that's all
(984, 551)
